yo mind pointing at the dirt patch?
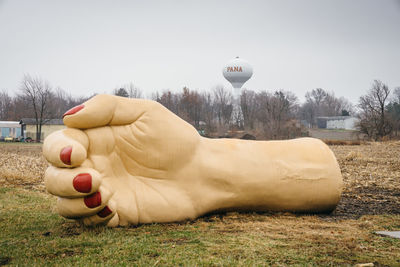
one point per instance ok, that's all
(371, 177)
(368, 201)
(374, 200)
(4, 260)
(70, 229)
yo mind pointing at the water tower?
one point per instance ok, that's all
(237, 72)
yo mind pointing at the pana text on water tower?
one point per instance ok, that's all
(234, 69)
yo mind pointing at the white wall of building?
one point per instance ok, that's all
(348, 123)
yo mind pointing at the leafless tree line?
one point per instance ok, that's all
(36, 99)
(320, 103)
(279, 115)
(265, 114)
(379, 115)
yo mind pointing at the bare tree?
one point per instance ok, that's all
(191, 105)
(208, 111)
(393, 109)
(223, 103)
(372, 116)
(317, 96)
(38, 94)
(312, 108)
(60, 102)
(6, 103)
(275, 112)
(134, 92)
(321, 103)
(346, 107)
(169, 100)
(396, 95)
(128, 90)
(248, 104)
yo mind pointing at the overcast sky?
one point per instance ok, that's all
(96, 45)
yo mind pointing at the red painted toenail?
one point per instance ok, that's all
(104, 212)
(83, 182)
(65, 155)
(93, 200)
(73, 110)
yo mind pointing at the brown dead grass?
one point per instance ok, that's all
(345, 239)
(22, 165)
(344, 142)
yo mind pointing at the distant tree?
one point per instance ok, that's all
(345, 106)
(191, 105)
(6, 104)
(38, 94)
(307, 113)
(128, 90)
(169, 100)
(248, 104)
(20, 108)
(317, 96)
(321, 103)
(373, 119)
(121, 92)
(396, 95)
(208, 111)
(60, 102)
(134, 92)
(275, 112)
(286, 105)
(223, 104)
(312, 108)
(393, 109)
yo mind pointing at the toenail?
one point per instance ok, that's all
(104, 212)
(83, 182)
(93, 200)
(73, 110)
(65, 155)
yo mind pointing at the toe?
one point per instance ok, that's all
(66, 148)
(83, 207)
(72, 183)
(107, 216)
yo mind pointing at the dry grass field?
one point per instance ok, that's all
(32, 233)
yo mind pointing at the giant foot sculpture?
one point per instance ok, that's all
(127, 161)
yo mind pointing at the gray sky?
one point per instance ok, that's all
(96, 45)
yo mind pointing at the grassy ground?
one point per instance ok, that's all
(33, 234)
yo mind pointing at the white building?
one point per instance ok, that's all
(337, 122)
(10, 129)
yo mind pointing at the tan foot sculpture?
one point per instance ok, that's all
(128, 161)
